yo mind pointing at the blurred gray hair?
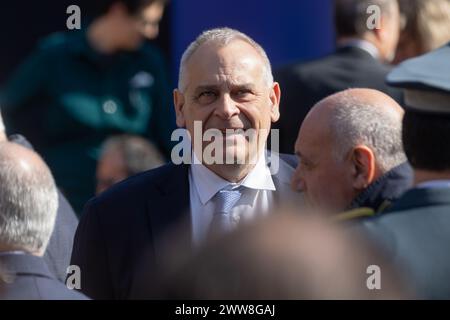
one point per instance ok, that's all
(222, 37)
(355, 122)
(28, 204)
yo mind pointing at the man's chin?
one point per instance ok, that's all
(233, 156)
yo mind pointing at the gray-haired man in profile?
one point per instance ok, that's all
(351, 154)
(59, 249)
(28, 206)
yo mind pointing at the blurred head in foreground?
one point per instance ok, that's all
(283, 257)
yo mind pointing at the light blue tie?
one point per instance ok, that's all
(224, 201)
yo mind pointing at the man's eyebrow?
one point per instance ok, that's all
(206, 87)
(240, 86)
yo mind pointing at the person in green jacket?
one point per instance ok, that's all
(79, 87)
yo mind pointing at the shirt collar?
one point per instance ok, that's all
(208, 183)
(363, 45)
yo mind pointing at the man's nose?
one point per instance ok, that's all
(226, 107)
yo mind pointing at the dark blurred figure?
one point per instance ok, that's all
(28, 206)
(416, 234)
(426, 27)
(79, 87)
(283, 257)
(124, 156)
(351, 154)
(359, 62)
(59, 249)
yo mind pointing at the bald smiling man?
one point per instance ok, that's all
(351, 154)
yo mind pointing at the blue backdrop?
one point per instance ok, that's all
(288, 30)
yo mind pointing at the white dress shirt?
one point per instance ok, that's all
(257, 194)
(363, 45)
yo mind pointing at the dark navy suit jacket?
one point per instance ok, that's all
(305, 84)
(122, 233)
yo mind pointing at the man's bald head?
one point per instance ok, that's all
(353, 132)
(361, 116)
(28, 200)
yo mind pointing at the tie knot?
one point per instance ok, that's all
(227, 199)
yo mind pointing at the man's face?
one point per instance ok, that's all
(226, 89)
(126, 29)
(324, 179)
(392, 32)
(150, 19)
(110, 170)
(131, 29)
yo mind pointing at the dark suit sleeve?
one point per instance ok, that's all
(89, 253)
(57, 254)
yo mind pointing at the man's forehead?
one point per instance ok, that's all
(236, 48)
(202, 76)
(224, 80)
(313, 138)
(237, 54)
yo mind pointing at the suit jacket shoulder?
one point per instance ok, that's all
(415, 235)
(119, 230)
(27, 277)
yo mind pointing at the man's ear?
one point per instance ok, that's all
(364, 167)
(380, 32)
(178, 102)
(275, 96)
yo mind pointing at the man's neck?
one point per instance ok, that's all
(364, 43)
(231, 172)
